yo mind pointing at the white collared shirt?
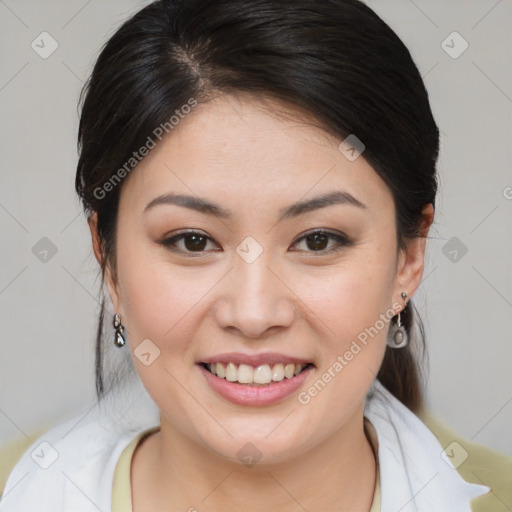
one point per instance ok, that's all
(414, 477)
(71, 467)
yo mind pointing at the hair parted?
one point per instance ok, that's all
(336, 59)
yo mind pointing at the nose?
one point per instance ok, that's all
(255, 300)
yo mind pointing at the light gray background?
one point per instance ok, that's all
(48, 310)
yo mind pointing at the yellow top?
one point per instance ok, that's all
(121, 489)
(483, 466)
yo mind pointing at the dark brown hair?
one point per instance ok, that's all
(335, 59)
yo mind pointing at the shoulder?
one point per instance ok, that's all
(11, 453)
(40, 472)
(475, 463)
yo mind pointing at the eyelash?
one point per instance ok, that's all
(341, 242)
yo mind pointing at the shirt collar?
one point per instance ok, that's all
(413, 475)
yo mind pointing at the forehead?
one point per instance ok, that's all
(238, 147)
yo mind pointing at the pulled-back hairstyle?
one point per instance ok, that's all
(336, 59)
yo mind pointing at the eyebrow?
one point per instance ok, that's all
(337, 197)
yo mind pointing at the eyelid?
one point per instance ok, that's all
(180, 235)
(341, 241)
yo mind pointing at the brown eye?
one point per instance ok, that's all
(188, 242)
(195, 242)
(319, 241)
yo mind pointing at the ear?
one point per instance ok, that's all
(98, 253)
(411, 260)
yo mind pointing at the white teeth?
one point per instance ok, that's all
(289, 371)
(278, 372)
(220, 370)
(262, 374)
(231, 372)
(245, 374)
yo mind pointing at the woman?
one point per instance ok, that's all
(259, 180)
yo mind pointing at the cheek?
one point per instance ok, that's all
(352, 312)
(159, 303)
(352, 297)
(154, 296)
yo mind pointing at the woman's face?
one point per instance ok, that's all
(250, 281)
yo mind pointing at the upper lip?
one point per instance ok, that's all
(254, 359)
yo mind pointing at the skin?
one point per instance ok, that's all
(245, 156)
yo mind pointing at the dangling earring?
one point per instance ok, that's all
(119, 340)
(397, 337)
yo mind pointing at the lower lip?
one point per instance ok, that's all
(242, 394)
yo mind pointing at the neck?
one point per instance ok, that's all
(337, 474)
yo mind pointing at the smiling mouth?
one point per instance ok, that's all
(262, 375)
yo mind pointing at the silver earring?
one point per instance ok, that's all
(119, 340)
(397, 337)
